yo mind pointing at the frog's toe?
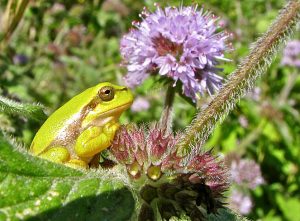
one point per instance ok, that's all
(110, 129)
(56, 154)
(77, 164)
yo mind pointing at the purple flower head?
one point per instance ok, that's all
(291, 54)
(180, 43)
(254, 94)
(246, 172)
(57, 8)
(240, 202)
(140, 104)
(243, 121)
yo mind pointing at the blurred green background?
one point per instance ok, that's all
(61, 48)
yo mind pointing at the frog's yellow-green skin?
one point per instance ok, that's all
(82, 127)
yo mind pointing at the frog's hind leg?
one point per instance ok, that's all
(76, 163)
(60, 154)
(57, 154)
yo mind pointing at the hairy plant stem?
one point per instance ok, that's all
(166, 118)
(242, 80)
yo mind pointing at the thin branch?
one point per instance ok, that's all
(284, 94)
(13, 14)
(166, 119)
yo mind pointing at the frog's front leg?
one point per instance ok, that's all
(95, 139)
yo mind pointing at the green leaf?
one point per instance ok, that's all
(222, 215)
(230, 142)
(226, 215)
(289, 207)
(27, 110)
(35, 189)
(270, 132)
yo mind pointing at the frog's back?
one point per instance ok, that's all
(64, 117)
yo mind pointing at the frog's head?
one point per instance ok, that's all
(108, 102)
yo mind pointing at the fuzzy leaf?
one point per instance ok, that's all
(35, 189)
(223, 215)
(27, 110)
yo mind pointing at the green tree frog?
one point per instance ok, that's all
(82, 127)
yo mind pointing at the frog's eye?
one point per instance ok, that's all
(106, 93)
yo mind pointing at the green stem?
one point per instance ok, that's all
(284, 94)
(250, 138)
(13, 14)
(166, 119)
(241, 80)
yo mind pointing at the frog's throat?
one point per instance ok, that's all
(105, 117)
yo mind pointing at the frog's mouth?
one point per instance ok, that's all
(110, 115)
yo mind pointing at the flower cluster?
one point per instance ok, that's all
(245, 175)
(240, 202)
(140, 104)
(291, 54)
(149, 156)
(182, 44)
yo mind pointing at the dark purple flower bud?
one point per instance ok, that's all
(122, 147)
(159, 143)
(20, 59)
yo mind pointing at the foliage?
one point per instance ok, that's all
(27, 110)
(39, 190)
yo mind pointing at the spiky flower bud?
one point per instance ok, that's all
(167, 183)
